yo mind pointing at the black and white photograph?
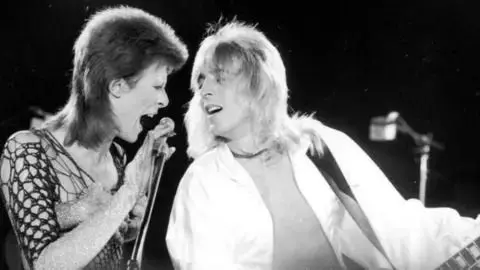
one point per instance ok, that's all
(246, 135)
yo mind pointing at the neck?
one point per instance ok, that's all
(246, 145)
(98, 155)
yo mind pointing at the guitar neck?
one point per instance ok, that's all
(467, 258)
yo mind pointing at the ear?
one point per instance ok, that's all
(118, 87)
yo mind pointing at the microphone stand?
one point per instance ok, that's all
(424, 143)
(135, 261)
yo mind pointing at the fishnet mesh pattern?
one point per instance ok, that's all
(31, 187)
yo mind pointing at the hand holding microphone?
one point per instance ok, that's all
(139, 170)
(163, 131)
(157, 149)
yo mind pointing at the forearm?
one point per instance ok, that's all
(77, 248)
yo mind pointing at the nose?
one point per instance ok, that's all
(162, 99)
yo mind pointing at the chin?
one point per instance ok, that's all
(130, 138)
(215, 131)
(222, 134)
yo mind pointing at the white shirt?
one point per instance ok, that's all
(219, 221)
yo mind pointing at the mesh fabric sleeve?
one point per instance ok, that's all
(28, 187)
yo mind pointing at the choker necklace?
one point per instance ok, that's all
(248, 156)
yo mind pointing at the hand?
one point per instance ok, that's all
(130, 226)
(94, 198)
(140, 207)
(137, 213)
(139, 170)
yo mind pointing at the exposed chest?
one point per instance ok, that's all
(271, 177)
(75, 177)
(292, 217)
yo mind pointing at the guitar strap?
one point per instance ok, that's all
(329, 168)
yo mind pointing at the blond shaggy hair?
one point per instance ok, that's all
(265, 94)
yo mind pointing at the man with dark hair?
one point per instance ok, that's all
(71, 198)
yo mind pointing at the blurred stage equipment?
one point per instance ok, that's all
(39, 116)
(385, 128)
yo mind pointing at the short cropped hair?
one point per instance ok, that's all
(115, 43)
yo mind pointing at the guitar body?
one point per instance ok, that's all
(467, 258)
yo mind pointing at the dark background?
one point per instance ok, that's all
(346, 60)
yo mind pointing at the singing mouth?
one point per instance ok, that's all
(147, 122)
(213, 109)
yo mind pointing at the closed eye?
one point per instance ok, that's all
(159, 87)
(200, 80)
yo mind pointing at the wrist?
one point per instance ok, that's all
(132, 186)
(132, 191)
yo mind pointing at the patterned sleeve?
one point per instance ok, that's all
(28, 188)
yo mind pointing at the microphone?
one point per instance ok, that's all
(384, 128)
(161, 142)
(158, 161)
(149, 123)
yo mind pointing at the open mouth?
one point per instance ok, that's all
(212, 109)
(148, 121)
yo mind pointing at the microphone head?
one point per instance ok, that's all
(159, 142)
(149, 123)
(167, 121)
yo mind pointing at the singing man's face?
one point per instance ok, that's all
(145, 97)
(227, 115)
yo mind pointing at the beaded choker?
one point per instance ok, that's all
(249, 156)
